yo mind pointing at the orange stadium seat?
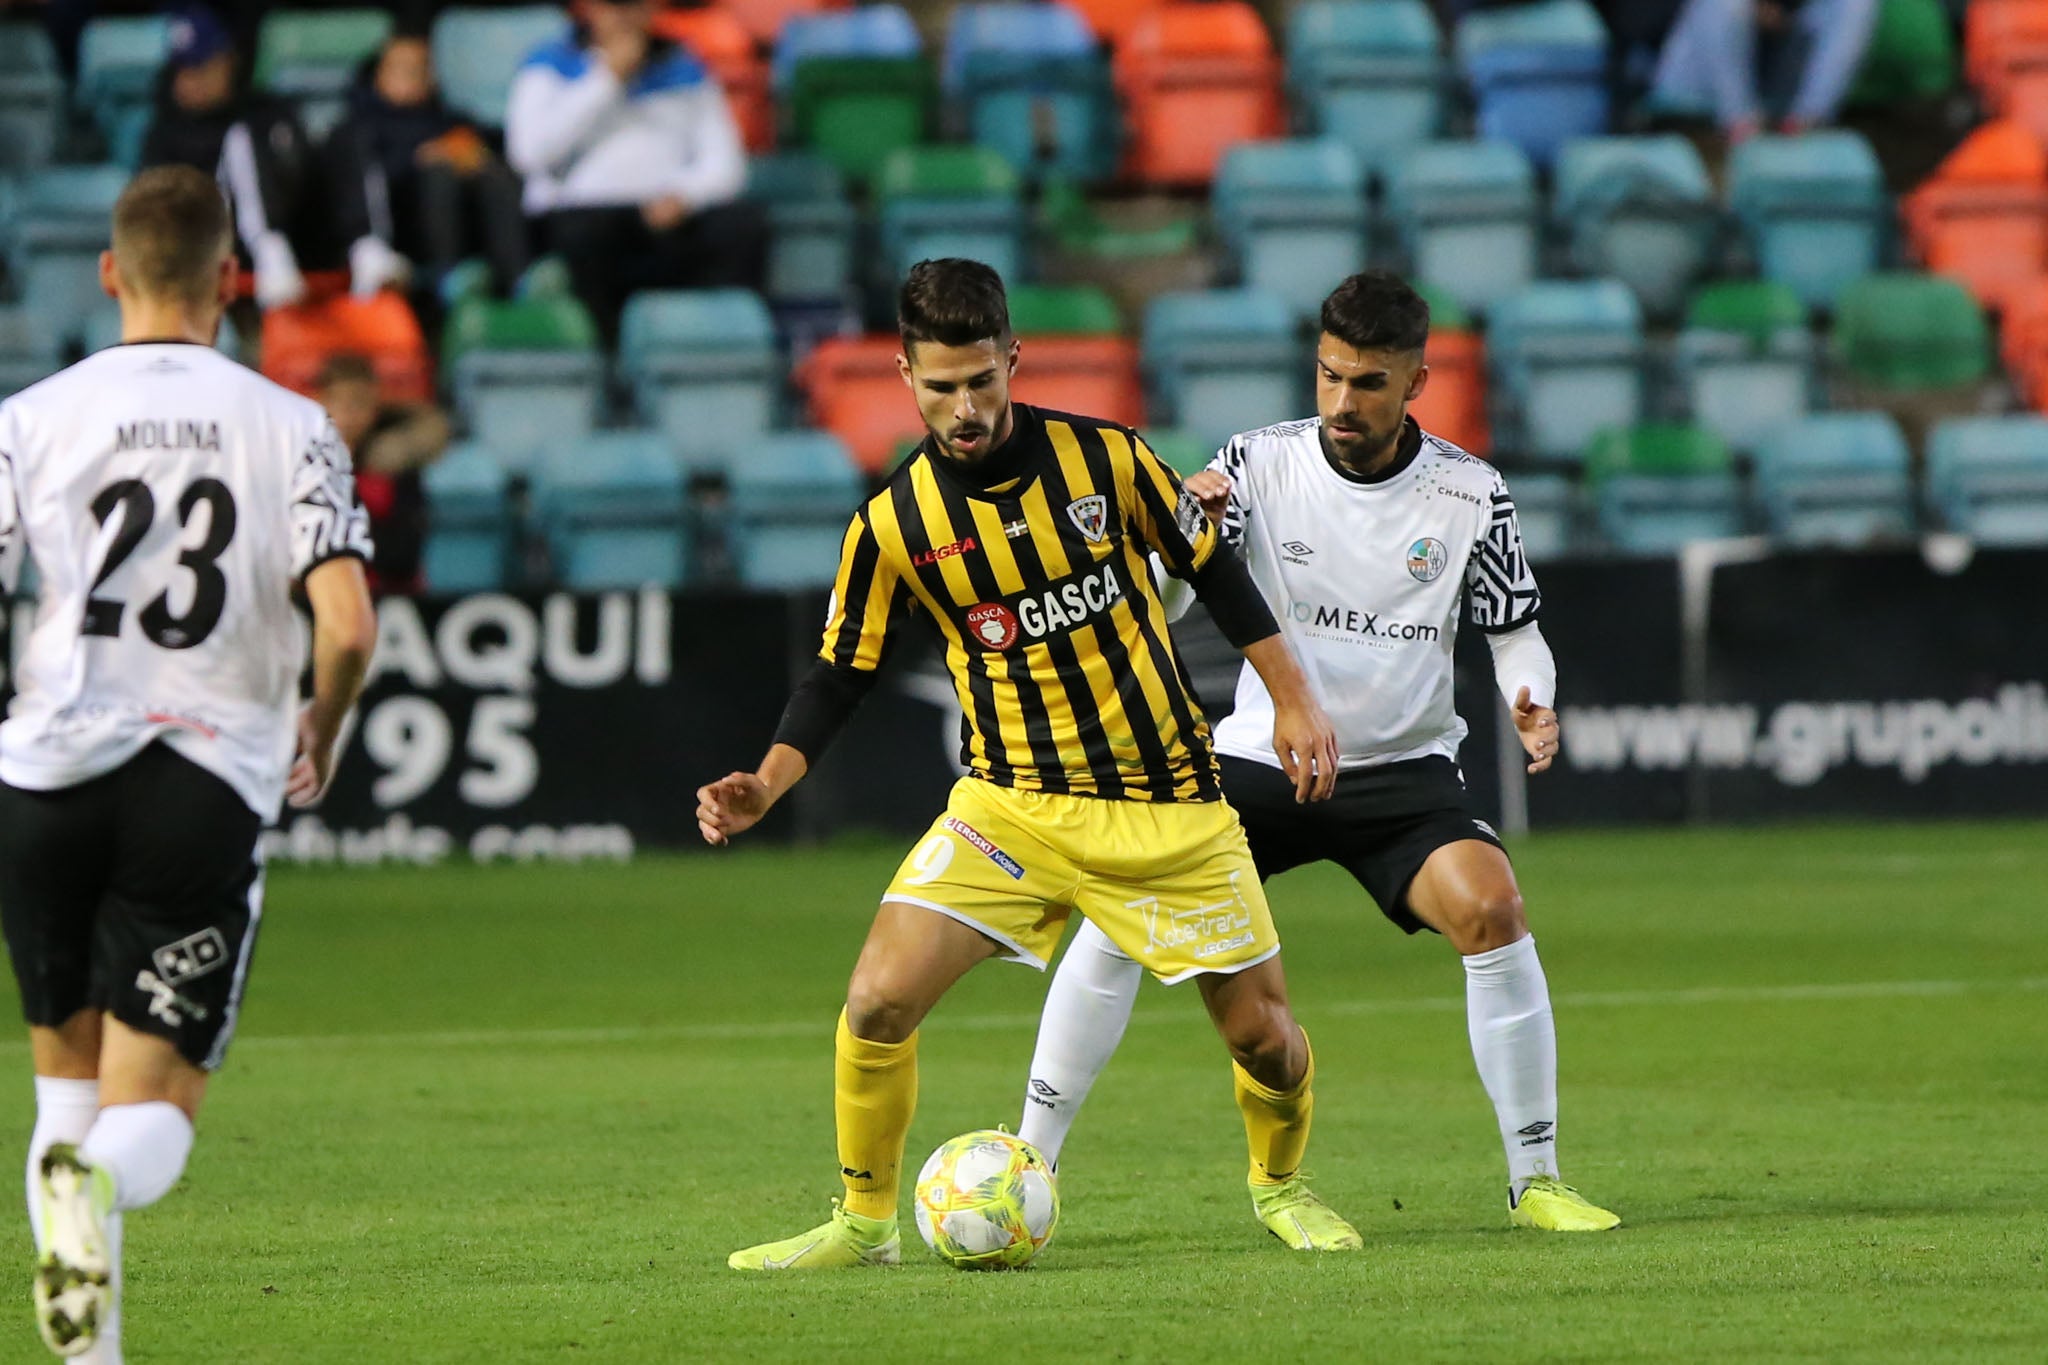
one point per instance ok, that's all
(1982, 217)
(2023, 341)
(1112, 19)
(298, 340)
(1453, 402)
(2005, 52)
(1095, 375)
(1195, 79)
(856, 392)
(763, 18)
(728, 51)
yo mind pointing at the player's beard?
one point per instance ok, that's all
(1365, 450)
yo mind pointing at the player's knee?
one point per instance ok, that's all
(879, 1015)
(1264, 1039)
(1487, 921)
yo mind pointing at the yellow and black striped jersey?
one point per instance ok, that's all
(1054, 633)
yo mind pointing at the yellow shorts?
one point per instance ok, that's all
(1173, 885)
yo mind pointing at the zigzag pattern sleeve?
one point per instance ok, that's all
(1498, 581)
(328, 520)
(1230, 462)
(10, 528)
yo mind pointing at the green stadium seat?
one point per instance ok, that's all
(525, 372)
(1746, 361)
(1911, 55)
(1909, 332)
(949, 201)
(1062, 310)
(1756, 309)
(854, 85)
(1656, 448)
(1658, 485)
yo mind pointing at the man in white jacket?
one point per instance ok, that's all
(633, 165)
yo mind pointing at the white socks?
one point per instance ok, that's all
(143, 1146)
(1514, 1044)
(65, 1111)
(1086, 1009)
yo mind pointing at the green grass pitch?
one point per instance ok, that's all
(522, 1114)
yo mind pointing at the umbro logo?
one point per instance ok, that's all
(1042, 1094)
(1537, 1133)
(1297, 551)
(852, 1174)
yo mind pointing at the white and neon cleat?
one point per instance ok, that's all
(74, 1271)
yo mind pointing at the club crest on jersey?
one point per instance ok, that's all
(1427, 559)
(993, 625)
(1090, 516)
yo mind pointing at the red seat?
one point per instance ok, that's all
(299, 339)
(1995, 32)
(1095, 376)
(1112, 19)
(1453, 402)
(2023, 340)
(1196, 79)
(763, 19)
(857, 393)
(728, 51)
(1982, 217)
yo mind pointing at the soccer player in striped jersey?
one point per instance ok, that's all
(1372, 538)
(1025, 535)
(173, 502)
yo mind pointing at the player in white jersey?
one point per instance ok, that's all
(171, 502)
(1370, 539)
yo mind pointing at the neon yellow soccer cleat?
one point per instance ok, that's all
(73, 1283)
(1292, 1212)
(848, 1240)
(1553, 1206)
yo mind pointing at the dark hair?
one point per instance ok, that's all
(954, 302)
(1377, 310)
(345, 367)
(171, 232)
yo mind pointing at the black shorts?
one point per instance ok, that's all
(137, 893)
(1380, 826)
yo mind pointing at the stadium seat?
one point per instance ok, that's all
(31, 97)
(613, 512)
(763, 19)
(1659, 485)
(478, 49)
(299, 339)
(470, 503)
(811, 226)
(789, 500)
(1638, 209)
(1906, 332)
(1746, 361)
(702, 366)
(525, 373)
(1110, 20)
(311, 56)
(1222, 361)
(1546, 508)
(1038, 310)
(721, 42)
(2006, 55)
(1465, 213)
(1195, 78)
(119, 59)
(1027, 81)
(1836, 479)
(1293, 216)
(1568, 359)
(1814, 208)
(1911, 55)
(854, 85)
(1453, 402)
(1987, 477)
(1184, 452)
(1538, 72)
(934, 202)
(1982, 217)
(1369, 73)
(57, 228)
(2023, 340)
(1074, 359)
(855, 391)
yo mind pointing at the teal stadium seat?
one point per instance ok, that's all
(1988, 478)
(811, 227)
(31, 97)
(949, 201)
(613, 509)
(1639, 210)
(1840, 479)
(1568, 357)
(1538, 72)
(311, 56)
(479, 49)
(703, 368)
(56, 227)
(1465, 213)
(119, 59)
(1220, 361)
(790, 499)
(1293, 216)
(1370, 73)
(525, 373)
(1814, 209)
(469, 496)
(1745, 361)
(1028, 82)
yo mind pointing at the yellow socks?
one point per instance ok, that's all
(1276, 1122)
(874, 1093)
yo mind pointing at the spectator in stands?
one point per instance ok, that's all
(417, 184)
(1764, 63)
(391, 444)
(632, 162)
(206, 117)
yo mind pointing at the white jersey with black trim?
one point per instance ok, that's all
(1369, 581)
(170, 500)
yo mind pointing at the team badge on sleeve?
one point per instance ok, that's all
(1090, 516)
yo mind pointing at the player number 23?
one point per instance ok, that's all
(131, 501)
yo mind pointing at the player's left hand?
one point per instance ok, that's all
(1210, 489)
(1305, 742)
(1538, 728)
(729, 806)
(312, 763)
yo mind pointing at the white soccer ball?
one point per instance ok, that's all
(986, 1201)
